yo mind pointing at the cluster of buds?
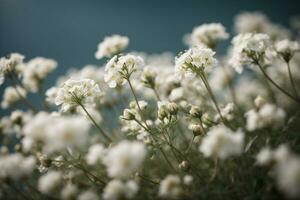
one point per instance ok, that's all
(128, 114)
(167, 112)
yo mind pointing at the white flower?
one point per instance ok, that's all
(250, 22)
(51, 94)
(95, 154)
(287, 48)
(35, 71)
(111, 45)
(120, 67)
(208, 34)
(49, 182)
(195, 59)
(246, 48)
(16, 166)
(56, 132)
(267, 115)
(265, 156)
(124, 158)
(116, 190)
(73, 92)
(222, 142)
(188, 179)
(88, 195)
(69, 192)
(12, 95)
(8, 65)
(170, 187)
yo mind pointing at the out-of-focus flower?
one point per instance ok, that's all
(16, 166)
(49, 182)
(111, 45)
(124, 159)
(117, 189)
(8, 64)
(286, 49)
(222, 142)
(12, 95)
(267, 115)
(208, 35)
(95, 154)
(36, 71)
(170, 187)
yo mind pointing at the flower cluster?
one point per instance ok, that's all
(183, 127)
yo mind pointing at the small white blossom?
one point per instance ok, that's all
(35, 71)
(69, 192)
(267, 115)
(124, 159)
(222, 142)
(121, 67)
(287, 48)
(49, 182)
(12, 95)
(170, 187)
(208, 34)
(246, 48)
(194, 60)
(117, 190)
(73, 92)
(265, 156)
(111, 45)
(95, 154)
(88, 195)
(8, 64)
(16, 166)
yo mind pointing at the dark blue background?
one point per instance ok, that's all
(69, 30)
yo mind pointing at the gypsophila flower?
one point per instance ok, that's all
(8, 64)
(119, 68)
(36, 71)
(51, 95)
(69, 192)
(117, 190)
(56, 132)
(194, 60)
(170, 187)
(208, 34)
(111, 45)
(266, 115)
(49, 182)
(248, 48)
(286, 49)
(16, 166)
(76, 92)
(12, 95)
(95, 154)
(124, 159)
(88, 195)
(222, 142)
(265, 156)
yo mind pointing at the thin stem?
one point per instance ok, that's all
(292, 80)
(95, 123)
(156, 94)
(275, 84)
(190, 145)
(134, 95)
(27, 103)
(209, 90)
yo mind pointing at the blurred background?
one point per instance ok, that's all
(69, 31)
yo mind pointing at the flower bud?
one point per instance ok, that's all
(172, 108)
(197, 129)
(184, 165)
(162, 112)
(195, 112)
(259, 102)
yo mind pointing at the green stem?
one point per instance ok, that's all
(292, 80)
(275, 84)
